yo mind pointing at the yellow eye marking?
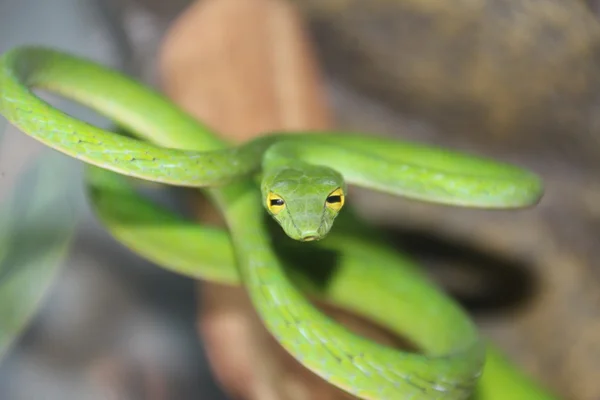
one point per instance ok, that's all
(275, 203)
(335, 200)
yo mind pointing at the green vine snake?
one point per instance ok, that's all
(300, 180)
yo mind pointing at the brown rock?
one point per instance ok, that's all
(509, 74)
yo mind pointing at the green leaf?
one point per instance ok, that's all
(37, 222)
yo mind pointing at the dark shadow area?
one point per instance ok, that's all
(309, 261)
(482, 282)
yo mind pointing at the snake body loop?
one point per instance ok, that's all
(303, 184)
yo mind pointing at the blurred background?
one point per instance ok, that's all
(112, 326)
(516, 80)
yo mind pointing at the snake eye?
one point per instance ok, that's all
(335, 200)
(275, 203)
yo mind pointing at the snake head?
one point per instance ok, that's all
(304, 199)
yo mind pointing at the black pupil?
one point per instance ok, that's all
(276, 202)
(334, 199)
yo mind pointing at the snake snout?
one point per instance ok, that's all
(309, 238)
